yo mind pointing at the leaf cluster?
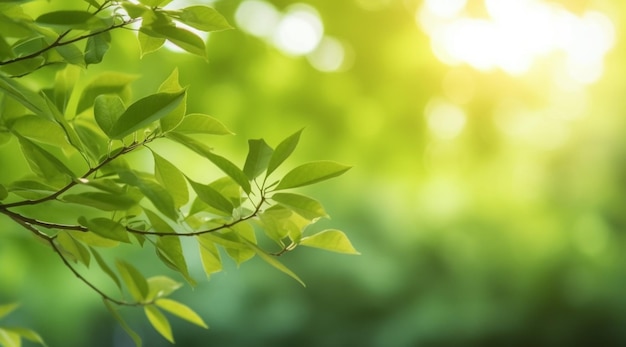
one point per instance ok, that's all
(75, 140)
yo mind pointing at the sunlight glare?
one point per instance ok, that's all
(329, 55)
(445, 120)
(257, 18)
(299, 31)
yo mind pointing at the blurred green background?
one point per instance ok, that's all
(487, 198)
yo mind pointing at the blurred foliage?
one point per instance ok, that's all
(491, 237)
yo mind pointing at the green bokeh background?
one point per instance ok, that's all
(477, 240)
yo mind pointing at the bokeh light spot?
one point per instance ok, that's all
(257, 18)
(299, 31)
(445, 120)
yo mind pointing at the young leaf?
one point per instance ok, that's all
(105, 83)
(172, 179)
(196, 123)
(134, 280)
(42, 162)
(149, 44)
(283, 151)
(145, 111)
(161, 286)
(210, 257)
(103, 265)
(96, 47)
(24, 96)
(211, 197)
(134, 10)
(171, 248)
(155, 3)
(28, 335)
(107, 109)
(203, 18)
(159, 322)
(331, 240)
(74, 248)
(106, 228)
(40, 130)
(182, 311)
(259, 154)
(101, 201)
(133, 335)
(302, 205)
(9, 338)
(311, 173)
(182, 38)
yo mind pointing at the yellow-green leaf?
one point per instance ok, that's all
(134, 280)
(159, 322)
(331, 240)
(311, 173)
(182, 311)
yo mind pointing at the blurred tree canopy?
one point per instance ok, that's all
(487, 192)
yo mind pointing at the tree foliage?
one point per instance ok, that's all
(76, 139)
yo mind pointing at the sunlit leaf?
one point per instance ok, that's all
(91, 239)
(25, 96)
(76, 249)
(106, 228)
(145, 111)
(182, 311)
(40, 130)
(161, 286)
(196, 123)
(202, 18)
(171, 85)
(134, 280)
(7, 309)
(133, 335)
(210, 257)
(159, 322)
(107, 110)
(149, 44)
(101, 200)
(182, 38)
(31, 189)
(9, 338)
(171, 248)
(42, 162)
(134, 10)
(311, 173)
(303, 205)
(331, 240)
(105, 83)
(259, 154)
(283, 151)
(172, 179)
(28, 334)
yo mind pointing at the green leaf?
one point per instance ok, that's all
(107, 270)
(157, 195)
(157, 223)
(196, 123)
(31, 189)
(149, 44)
(203, 18)
(107, 110)
(134, 10)
(106, 228)
(182, 311)
(134, 280)
(161, 286)
(172, 179)
(210, 257)
(96, 47)
(241, 233)
(101, 201)
(133, 335)
(70, 134)
(311, 173)
(159, 322)
(259, 154)
(182, 38)
(71, 54)
(73, 247)
(331, 240)
(171, 85)
(28, 335)
(3, 192)
(212, 197)
(70, 19)
(302, 205)
(171, 248)
(155, 3)
(9, 338)
(42, 162)
(91, 239)
(24, 96)
(105, 83)
(7, 309)
(283, 151)
(224, 164)
(39, 129)
(145, 111)
(274, 262)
